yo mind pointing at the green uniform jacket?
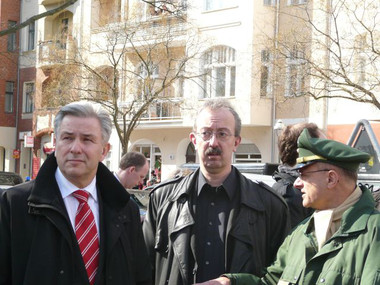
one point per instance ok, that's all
(350, 256)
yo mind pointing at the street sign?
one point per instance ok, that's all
(16, 153)
(28, 141)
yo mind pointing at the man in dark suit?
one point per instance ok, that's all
(75, 223)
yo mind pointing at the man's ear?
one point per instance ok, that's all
(131, 168)
(106, 148)
(333, 178)
(237, 142)
(193, 139)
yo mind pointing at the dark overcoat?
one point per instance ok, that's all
(255, 230)
(38, 244)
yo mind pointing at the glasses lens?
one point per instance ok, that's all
(220, 135)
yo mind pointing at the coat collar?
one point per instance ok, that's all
(355, 218)
(45, 189)
(249, 197)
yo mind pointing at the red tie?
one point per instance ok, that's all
(87, 234)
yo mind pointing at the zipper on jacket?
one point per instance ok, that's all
(194, 275)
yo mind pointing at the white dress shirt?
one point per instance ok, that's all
(71, 203)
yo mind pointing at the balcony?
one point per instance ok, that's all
(160, 111)
(53, 52)
(163, 111)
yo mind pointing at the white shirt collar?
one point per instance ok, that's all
(67, 188)
(117, 176)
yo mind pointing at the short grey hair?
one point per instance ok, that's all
(85, 109)
(217, 104)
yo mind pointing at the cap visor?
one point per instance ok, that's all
(303, 164)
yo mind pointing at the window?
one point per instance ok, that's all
(219, 72)
(296, 2)
(145, 80)
(9, 90)
(360, 62)
(31, 33)
(246, 153)
(153, 154)
(28, 97)
(218, 4)
(104, 83)
(295, 72)
(265, 87)
(11, 37)
(190, 153)
(109, 11)
(270, 2)
(64, 32)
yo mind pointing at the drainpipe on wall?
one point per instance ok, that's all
(274, 81)
(18, 86)
(327, 65)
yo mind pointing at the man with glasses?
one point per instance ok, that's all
(340, 243)
(214, 220)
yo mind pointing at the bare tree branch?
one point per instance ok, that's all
(17, 27)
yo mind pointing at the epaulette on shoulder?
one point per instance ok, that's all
(270, 189)
(166, 182)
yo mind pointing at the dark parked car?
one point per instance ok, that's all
(9, 179)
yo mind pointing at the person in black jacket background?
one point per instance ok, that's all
(285, 176)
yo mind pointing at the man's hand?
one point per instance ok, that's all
(217, 281)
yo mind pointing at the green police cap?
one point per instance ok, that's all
(311, 150)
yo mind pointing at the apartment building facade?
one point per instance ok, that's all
(163, 133)
(234, 54)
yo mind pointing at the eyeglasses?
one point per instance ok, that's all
(220, 135)
(301, 173)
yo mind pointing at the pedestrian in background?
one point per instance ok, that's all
(340, 242)
(213, 220)
(74, 223)
(133, 168)
(286, 175)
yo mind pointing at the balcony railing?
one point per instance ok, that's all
(55, 52)
(163, 111)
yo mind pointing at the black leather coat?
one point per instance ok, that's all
(254, 231)
(38, 244)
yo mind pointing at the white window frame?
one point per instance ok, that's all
(154, 152)
(142, 75)
(361, 60)
(266, 63)
(242, 156)
(296, 2)
(270, 2)
(211, 5)
(27, 102)
(31, 36)
(295, 73)
(214, 61)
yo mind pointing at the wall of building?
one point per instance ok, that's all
(9, 11)
(8, 142)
